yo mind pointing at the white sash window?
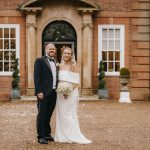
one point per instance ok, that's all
(111, 48)
(9, 47)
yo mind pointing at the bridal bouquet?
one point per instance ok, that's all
(65, 88)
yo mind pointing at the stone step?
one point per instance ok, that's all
(81, 98)
(28, 98)
(89, 98)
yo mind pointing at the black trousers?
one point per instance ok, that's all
(45, 111)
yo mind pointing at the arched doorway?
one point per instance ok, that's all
(62, 34)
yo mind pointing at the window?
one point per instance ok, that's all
(111, 48)
(9, 47)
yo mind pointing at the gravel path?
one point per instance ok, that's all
(110, 125)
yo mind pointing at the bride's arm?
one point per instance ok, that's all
(76, 70)
(60, 67)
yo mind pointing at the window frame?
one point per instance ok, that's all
(17, 27)
(122, 43)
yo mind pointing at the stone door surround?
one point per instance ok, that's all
(80, 17)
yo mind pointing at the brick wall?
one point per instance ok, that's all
(112, 83)
(13, 17)
(135, 16)
(10, 4)
(140, 51)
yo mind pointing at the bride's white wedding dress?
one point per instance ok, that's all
(67, 125)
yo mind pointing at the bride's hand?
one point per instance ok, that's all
(65, 96)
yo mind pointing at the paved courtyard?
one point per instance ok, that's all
(109, 124)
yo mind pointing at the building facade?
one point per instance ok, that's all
(115, 31)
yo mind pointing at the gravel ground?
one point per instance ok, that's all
(110, 125)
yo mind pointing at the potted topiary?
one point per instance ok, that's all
(124, 80)
(102, 90)
(15, 93)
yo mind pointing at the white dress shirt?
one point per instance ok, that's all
(53, 68)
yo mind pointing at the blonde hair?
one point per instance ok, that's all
(72, 55)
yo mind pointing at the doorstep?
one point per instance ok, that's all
(81, 98)
(28, 98)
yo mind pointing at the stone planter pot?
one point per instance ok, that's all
(124, 81)
(124, 92)
(103, 94)
(15, 94)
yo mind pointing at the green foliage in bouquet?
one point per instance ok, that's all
(101, 76)
(124, 73)
(15, 75)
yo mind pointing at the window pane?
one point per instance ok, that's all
(6, 32)
(6, 66)
(1, 66)
(6, 44)
(104, 33)
(117, 45)
(104, 55)
(1, 55)
(111, 33)
(117, 33)
(1, 44)
(110, 56)
(110, 66)
(1, 33)
(6, 55)
(104, 45)
(13, 44)
(12, 33)
(117, 66)
(12, 55)
(105, 66)
(117, 55)
(111, 45)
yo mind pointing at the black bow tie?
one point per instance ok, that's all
(51, 59)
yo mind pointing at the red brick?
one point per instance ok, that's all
(140, 37)
(143, 6)
(145, 76)
(140, 84)
(143, 60)
(140, 68)
(140, 52)
(143, 45)
(139, 94)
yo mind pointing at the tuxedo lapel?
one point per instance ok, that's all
(55, 62)
(47, 63)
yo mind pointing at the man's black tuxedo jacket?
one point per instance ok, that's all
(43, 78)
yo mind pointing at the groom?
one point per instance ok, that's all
(45, 80)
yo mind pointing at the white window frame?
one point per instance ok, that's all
(122, 42)
(17, 27)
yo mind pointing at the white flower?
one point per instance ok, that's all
(65, 88)
(57, 64)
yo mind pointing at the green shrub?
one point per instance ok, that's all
(101, 76)
(15, 75)
(124, 72)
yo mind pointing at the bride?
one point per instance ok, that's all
(67, 125)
